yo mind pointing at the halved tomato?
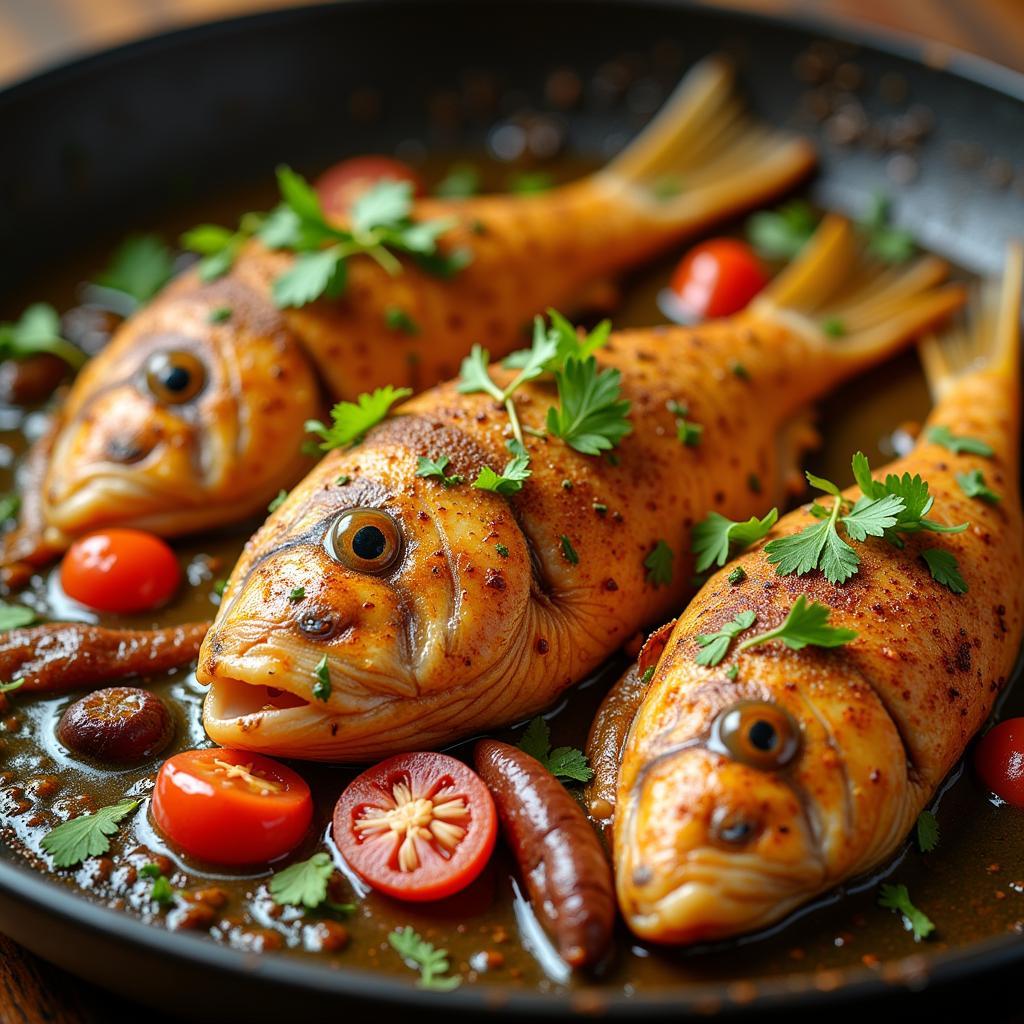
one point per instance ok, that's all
(716, 278)
(999, 761)
(417, 826)
(231, 806)
(343, 183)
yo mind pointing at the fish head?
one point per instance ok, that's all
(374, 609)
(754, 794)
(191, 417)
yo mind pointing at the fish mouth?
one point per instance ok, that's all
(98, 498)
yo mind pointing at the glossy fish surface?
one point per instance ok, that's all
(752, 785)
(379, 610)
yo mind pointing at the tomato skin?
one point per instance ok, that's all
(225, 820)
(999, 761)
(120, 570)
(341, 184)
(717, 278)
(434, 781)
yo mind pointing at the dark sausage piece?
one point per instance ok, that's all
(560, 856)
(121, 725)
(610, 728)
(74, 656)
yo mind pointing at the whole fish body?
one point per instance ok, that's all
(710, 841)
(493, 605)
(122, 453)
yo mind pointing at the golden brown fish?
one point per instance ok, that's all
(751, 786)
(379, 610)
(193, 417)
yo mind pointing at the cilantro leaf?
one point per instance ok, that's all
(140, 267)
(562, 340)
(896, 897)
(384, 205)
(959, 444)
(280, 498)
(806, 625)
(530, 183)
(782, 233)
(927, 832)
(312, 275)
(885, 242)
(590, 417)
(474, 375)
(569, 552)
(38, 330)
(715, 646)
(9, 506)
(397, 319)
(659, 564)
(296, 594)
(510, 481)
(973, 486)
(303, 884)
(818, 546)
(563, 762)
(436, 468)
(14, 616)
(85, 836)
(715, 536)
(419, 954)
(351, 420)
(737, 576)
(322, 675)
(871, 517)
(161, 891)
(944, 569)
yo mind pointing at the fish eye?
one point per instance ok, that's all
(174, 376)
(757, 733)
(366, 540)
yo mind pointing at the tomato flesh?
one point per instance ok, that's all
(342, 184)
(120, 570)
(231, 806)
(418, 826)
(999, 761)
(716, 278)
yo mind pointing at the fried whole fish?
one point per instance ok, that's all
(741, 798)
(377, 610)
(191, 419)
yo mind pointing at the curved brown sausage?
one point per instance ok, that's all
(566, 873)
(75, 656)
(610, 728)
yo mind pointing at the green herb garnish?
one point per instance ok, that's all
(436, 468)
(85, 836)
(944, 569)
(282, 497)
(512, 477)
(737, 576)
(15, 684)
(806, 625)
(140, 267)
(927, 832)
(297, 594)
(531, 183)
(959, 444)
(220, 315)
(303, 884)
(351, 420)
(35, 332)
(563, 762)
(833, 327)
(398, 320)
(502, 550)
(782, 233)
(715, 646)
(432, 963)
(659, 564)
(461, 182)
(569, 552)
(14, 616)
(973, 485)
(889, 244)
(715, 536)
(896, 897)
(161, 891)
(591, 416)
(322, 674)
(9, 505)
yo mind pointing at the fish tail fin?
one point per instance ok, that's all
(856, 305)
(989, 337)
(704, 157)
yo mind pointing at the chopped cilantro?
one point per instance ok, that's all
(531, 183)
(569, 552)
(297, 594)
(782, 233)
(715, 536)
(282, 497)
(659, 564)
(502, 550)
(959, 444)
(927, 832)
(220, 315)
(973, 485)
(351, 420)
(715, 646)
(398, 320)
(432, 963)
(565, 763)
(512, 477)
(322, 686)
(436, 468)
(737, 576)
(303, 884)
(896, 897)
(889, 244)
(85, 836)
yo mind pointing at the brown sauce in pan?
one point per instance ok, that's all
(972, 886)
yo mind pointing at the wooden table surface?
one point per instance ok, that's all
(37, 34)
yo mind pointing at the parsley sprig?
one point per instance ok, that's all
(431, 962)
(140, 267)
(927, 832)
(306, 884)
(885, 242)
(896, 897)
(380, 227)
(591, 416)
(782, 233)
(511, 479)
(437, 468)
(806, 625)
(715, 537)
(351, 420)
(85, 836)
(973, 485)
(659, 564)
(566, 763)
(38, 330)
(959, 443)
(715, 646)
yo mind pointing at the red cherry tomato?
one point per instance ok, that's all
(231, 806)
(716, 278)
(340, 185)
(999, 761)
(120, 571)
(417, 826)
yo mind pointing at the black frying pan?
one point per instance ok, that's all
(91, 148)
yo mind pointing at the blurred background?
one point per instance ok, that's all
(39, 33)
